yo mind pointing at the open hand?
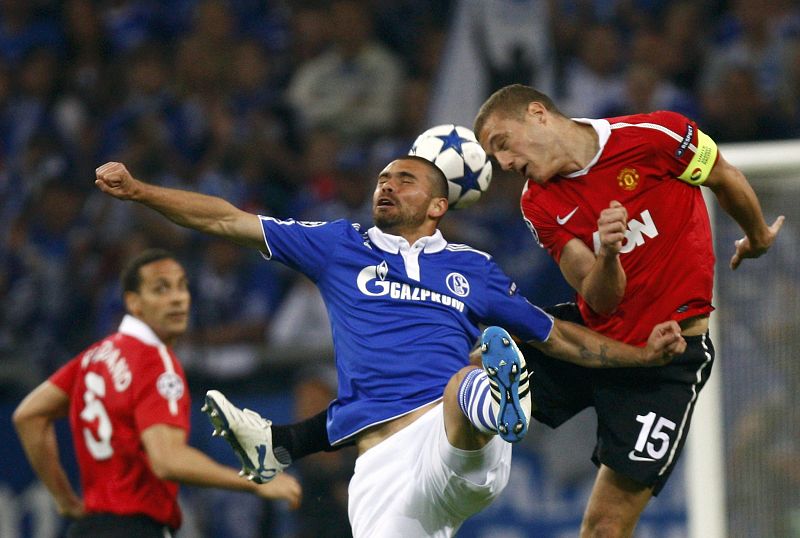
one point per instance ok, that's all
(745, 248)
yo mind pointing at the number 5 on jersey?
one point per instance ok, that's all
(99, 447)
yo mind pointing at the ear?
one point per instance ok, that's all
(537, 111)
(438, 207)
(133, 303)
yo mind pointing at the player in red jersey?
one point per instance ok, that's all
(128, 407)
(616, 202)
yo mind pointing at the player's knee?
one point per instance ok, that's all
(451, 390)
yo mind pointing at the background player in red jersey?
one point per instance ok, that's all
(616, 203)
(128, 407)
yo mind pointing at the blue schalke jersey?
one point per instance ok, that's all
(404, 317)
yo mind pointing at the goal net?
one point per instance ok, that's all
(743, 461)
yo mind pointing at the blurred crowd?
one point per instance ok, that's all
(290, 108)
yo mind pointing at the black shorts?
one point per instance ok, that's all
(118, 526)
(643, 414)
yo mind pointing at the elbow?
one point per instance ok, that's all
(606, 307)
(17, 418)
(20, 418)
(607, 302)
(163, 468)
(605, 311)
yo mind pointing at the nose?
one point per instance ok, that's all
(504, 160)
(180, 295)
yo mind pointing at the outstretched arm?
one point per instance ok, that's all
(172, 459)
(577, 344)
(207, 214)
(34, 420)
(738, 199)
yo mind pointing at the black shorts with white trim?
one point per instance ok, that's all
(643, 414)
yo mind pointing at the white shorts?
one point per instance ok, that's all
(415, 484)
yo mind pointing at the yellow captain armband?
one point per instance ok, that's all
(702, 162)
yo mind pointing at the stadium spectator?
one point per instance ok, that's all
(391, 409)
(128, 407)
(595, 191)
(646, 90)
(737, 110)
(753, 38)
(300, 324)
(352, 88)
(45, 291)
(683, 29)
(593, 80)
(24, 28)
(233, 299)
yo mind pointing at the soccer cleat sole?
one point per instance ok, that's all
(222, 429)
(503, 366)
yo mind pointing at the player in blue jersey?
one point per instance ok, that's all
(404, 305)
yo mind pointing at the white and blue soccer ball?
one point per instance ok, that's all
(457, 153)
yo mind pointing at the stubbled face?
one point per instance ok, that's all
(402, 197)
(163, 299)
(523, 145)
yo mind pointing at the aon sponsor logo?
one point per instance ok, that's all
(634, 236)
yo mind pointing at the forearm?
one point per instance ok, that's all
(188, 465)
(576, 344)
(737, 198)
(208, 214)
(604, 285)
(38, 439)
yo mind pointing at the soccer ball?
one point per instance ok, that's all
(455, 150)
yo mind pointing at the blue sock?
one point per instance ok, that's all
(476, 401)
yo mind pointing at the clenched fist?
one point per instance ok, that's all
(664, 343)
(114, 179)
(612, 226)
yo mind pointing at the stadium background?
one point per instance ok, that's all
(256, 102)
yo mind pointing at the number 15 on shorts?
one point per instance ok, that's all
(653, 440)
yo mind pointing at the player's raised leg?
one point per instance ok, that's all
(505, 367)
(249, 435)
(494, 400)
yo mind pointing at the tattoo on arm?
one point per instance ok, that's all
(602, 357)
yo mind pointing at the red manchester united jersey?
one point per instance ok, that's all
(118, 388)
(653, 164)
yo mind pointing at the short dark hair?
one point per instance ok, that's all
(511, 101)
(441, 188)
(131, 278)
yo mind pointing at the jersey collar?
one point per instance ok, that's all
(140, 330)
(394, 243)
(603, 129)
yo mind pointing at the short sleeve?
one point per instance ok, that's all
(64, 378)
(509, 309)
(687, 152)
(301, 245)
(161, 395)
(545, 232)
